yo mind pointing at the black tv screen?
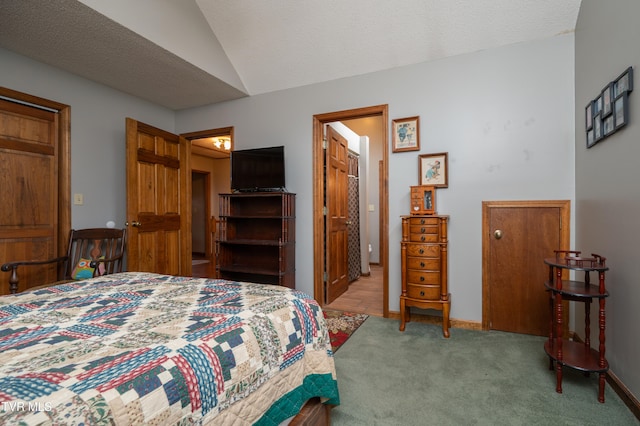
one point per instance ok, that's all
(259, 169)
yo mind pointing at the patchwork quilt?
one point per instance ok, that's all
(142, 348)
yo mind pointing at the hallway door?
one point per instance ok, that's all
(337, 214)
(158, 200)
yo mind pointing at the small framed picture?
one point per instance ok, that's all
(620, 112)
(624, 83)
(607, 97)
(591, 141)
(588, 116)
(406, 134)
(434, 170)
(607, 123)
(597, 105)
(597, 128)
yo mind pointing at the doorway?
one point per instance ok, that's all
(200, 213)
(379, 112)
(210, 156)
(517, 237)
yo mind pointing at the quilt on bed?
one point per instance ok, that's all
(141, 348)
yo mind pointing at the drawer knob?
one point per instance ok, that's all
(422, 293)
(421, 251)
(422, 238)
(422, 230)
(421, 278)
(422, 264)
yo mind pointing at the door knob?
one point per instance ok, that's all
(135, 224)
(498, 234)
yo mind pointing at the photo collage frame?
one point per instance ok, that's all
(607, 113)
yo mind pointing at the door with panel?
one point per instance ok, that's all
(517, 237)
(158, 200)
(35, 218)
(337, 217)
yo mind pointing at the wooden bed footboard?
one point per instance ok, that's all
(313, 413)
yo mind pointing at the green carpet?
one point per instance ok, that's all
(387, 377)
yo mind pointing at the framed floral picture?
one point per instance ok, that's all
(406, 134)
(434, 170)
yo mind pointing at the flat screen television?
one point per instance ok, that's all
(258, 169)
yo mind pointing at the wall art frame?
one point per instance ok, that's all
(607, 99)
(609, 111)
(620, 111)
(624, 83)
(588, 116)
(433, 169)
(406, 134)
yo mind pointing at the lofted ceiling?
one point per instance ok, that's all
(188, 53)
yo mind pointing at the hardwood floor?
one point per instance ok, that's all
(364, 295)
(202, 270)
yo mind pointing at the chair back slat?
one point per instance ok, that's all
(94, 244)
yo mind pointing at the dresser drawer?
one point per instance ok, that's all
(423, 238)
(430, 292)
(417, 221)
(423, 250)
(423, 277)
(423, 229)
(432, 264)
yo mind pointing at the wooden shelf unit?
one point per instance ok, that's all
(561, 351)
(256, 239)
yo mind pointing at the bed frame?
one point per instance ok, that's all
(313, 413)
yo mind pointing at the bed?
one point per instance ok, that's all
(142, 348)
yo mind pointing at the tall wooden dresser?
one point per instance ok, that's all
(424, 267)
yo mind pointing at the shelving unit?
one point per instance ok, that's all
(563, 352)
(256, 240)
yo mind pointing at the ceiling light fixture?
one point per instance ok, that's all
(222, 143)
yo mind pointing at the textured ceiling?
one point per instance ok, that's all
(188, 53)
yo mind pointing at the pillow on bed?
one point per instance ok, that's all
(82, 270)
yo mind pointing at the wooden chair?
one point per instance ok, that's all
(94, 251)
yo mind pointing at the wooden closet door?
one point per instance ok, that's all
(518, 236)
(34, 213)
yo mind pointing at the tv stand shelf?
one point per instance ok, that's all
(256, 240)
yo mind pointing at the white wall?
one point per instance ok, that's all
(505, 116)
(98, 116)
(607, 177)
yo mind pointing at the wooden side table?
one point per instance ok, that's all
(564, 352)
